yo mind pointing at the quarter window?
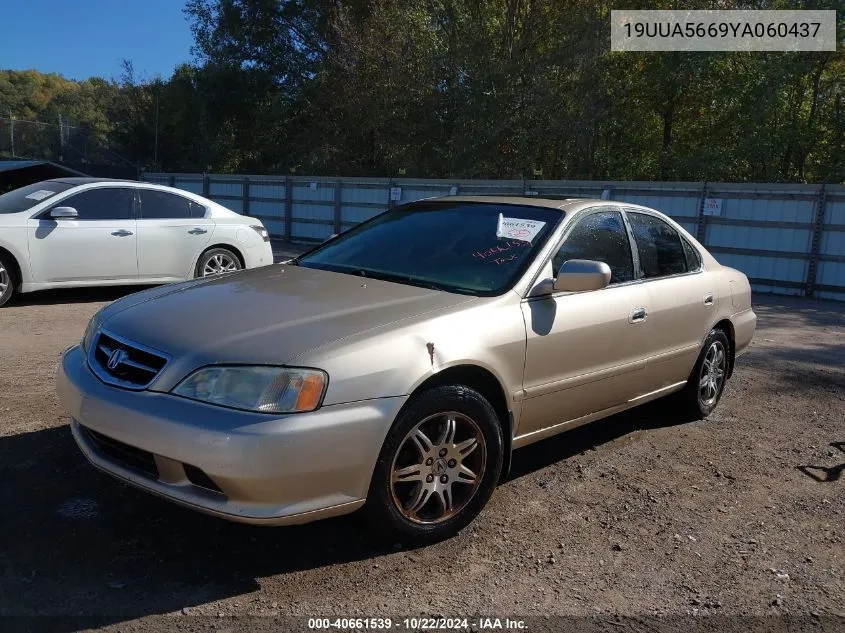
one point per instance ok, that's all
(104, 203)
(693, 258)
(600, 237)
(163, 205)
(659, 246)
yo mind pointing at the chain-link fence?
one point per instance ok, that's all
(76, 146)
(36, 139)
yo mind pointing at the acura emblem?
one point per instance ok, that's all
(116, 358)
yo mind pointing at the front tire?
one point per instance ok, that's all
(438, 466)
(7, 280)
(217, 261)
(706, 383)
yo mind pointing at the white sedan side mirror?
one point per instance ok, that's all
(63, 212)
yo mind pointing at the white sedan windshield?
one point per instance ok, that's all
(27, 197)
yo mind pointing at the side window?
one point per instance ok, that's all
(693, 258)
(161, 205)
(659, 245)
(601, 237)
(105, 203)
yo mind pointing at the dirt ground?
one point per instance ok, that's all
(739, 515)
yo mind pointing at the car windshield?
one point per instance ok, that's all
(25, 198)
(470, 248)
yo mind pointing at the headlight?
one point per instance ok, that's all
(89, 332)
(261, 231)
(256, 388)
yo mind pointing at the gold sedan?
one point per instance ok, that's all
(399, 364)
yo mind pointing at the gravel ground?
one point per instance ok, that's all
(637, 515)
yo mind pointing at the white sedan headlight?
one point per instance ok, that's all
(258, 388)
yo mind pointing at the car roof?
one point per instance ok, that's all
(561, 204)
(88, 180)
(524, 201)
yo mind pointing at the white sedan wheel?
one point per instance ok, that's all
(218, 261)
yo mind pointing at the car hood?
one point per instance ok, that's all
(14, 219)
(268, 315)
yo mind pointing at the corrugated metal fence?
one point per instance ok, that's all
(788, 239)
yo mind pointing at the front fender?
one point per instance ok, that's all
(395, 359)
(14, 240)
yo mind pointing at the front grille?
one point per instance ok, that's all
(123, 363)
(134, 458)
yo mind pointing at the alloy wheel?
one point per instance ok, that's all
(712, 376)
(219, 263)
(5, 280)
(438, 468)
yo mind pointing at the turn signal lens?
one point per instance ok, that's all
(311, 392)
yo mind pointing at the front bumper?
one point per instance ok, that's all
(265, 469)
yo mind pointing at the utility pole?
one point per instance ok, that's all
(61, 139)
(12, 132)
(155, 151)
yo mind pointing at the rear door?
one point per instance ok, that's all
(585, 350)
(98, 245)
(172, 232)
(681, 298)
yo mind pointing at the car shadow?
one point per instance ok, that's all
(61, 296)
(73, 532)
(653, 415)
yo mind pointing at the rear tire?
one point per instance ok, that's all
(217, 261)
(706, 383)
(438, 466)
(7, 280)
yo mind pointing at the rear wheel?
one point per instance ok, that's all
(7, 280)
(438, 467)
(216, 262)
(707, 381)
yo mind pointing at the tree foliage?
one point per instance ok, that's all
(460, 88)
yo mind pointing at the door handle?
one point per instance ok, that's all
(122, 233)
(638, 315)
(197, 231)
(708, 299)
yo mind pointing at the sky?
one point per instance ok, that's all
(86, 38)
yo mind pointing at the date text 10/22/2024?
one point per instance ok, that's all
(480, 625)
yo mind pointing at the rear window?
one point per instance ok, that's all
(163, 205)
(25, 198)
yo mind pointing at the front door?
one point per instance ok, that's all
(585, 351)
(98, 245)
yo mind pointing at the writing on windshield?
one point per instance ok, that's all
(437, 243)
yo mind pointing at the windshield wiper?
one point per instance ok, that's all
(395, 278)
(413, 281)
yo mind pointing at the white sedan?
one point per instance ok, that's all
(73, 232)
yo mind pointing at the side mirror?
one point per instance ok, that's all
(63, 212)
(580, 275)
